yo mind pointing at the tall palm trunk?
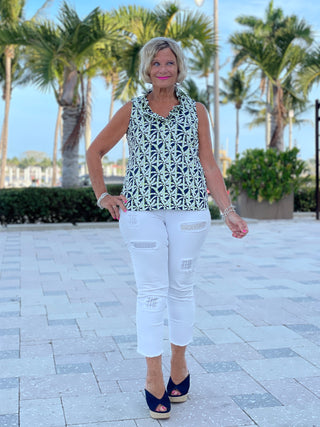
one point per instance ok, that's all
(277, 140)
(268, 118)
(237, 131)
(55, 147)
(208, 101)
(70, 159)
(87, 131)
(9, 55)
(114, 81)
(72, 116)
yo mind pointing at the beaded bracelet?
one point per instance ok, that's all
(227, 211)
(103, 195)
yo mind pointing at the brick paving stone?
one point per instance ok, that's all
(41, 413)
(300, 392)
(9, 383)
(312, 384)
(286, 416)
(255, 400)
(272, 353)
(51, 386)
(9, 401)
(9, 420)
(10, 354)
(270, 369)
(94, 409)
(221, 366)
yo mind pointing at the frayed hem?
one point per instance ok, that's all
(149, 354)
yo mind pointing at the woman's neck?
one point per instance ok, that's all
(162, 94)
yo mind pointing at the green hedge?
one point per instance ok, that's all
(305, 199)
(57, 205)
(52, 205)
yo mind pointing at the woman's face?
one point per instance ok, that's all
(164, 69)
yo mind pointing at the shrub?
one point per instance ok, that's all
(214, 211)
(305, 199)
(266, 174)
(52, 205)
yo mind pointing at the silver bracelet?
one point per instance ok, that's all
(227, 211)
(103, 195)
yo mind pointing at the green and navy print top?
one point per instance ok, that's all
(164, 170)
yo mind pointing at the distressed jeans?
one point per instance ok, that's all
(164, 246)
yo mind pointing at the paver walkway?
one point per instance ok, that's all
(67, 330)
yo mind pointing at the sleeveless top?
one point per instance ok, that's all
(164, 170)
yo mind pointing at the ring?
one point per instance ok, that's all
(114, 207)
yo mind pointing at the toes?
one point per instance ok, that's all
(161, 408)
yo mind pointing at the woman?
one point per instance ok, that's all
(163, 209)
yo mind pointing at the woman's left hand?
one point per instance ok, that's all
(237, 225)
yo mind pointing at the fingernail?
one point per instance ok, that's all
(244, 231)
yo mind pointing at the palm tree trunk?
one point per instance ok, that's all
(55, 147)
(268, 118)
(124, 139)
(87, 131)
(237, 132)
(208, 101)
(208, 93)
(277, 141)
(216, 86)
(113, 89)
(70, 154)
(211, 119)
(9, 54)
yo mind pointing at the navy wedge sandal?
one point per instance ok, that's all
(153, 403)
(183, 388)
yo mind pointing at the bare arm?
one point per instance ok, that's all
(214, 178)
(101, 145)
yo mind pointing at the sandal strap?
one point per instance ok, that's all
(153, 402)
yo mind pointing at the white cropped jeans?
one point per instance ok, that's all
(164, 246)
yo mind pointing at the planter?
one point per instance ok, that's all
(250, 208)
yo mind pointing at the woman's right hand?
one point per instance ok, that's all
(237, 225)
(114, 204)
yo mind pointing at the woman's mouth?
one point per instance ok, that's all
(163, 78)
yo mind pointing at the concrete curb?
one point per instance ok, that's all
(298, 217)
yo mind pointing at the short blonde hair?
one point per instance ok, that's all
(149, 51)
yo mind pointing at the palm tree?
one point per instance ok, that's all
(67, 48)
(266, 29)
(78, 38)
(10, 14)
(310, 73)
(236, 91)
(279, 57)
(202, 62)
(257, 109)
(190, 29)
(195, 93)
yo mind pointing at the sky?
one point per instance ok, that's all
(33, 113)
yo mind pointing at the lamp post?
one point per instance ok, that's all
(291, 115)
(216, 129)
